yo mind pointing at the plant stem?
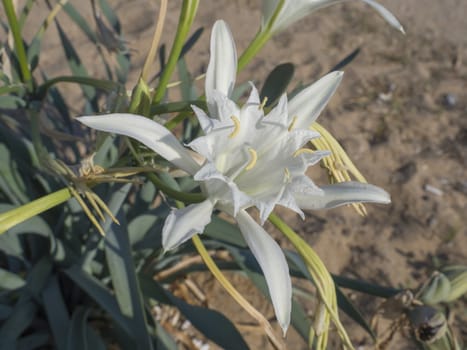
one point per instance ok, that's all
(155, 41)
(187, 16)
(18, 40)
(250, 52)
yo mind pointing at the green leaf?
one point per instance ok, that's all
(38, 340)
(139, 227)
(56, 311)
(110, 15)
(74, 62)
(10, 281)
(11, 102)
(349, 308)
(122, 270)
(212, 324)
(365, 287)
(192, 40)
(80, 336)
(219, 229)
(11, 181)
(346, 60)
(82, 23)
(102, 296)
(187, 88)
(38, 276)
(20, 214)
(13, 88)
(164, 340)
(5, 311)
(22, 316)
(173, 107)
(276, 83)
(106, 85)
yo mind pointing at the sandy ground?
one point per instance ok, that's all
(400, 113)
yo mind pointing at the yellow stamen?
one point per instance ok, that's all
(265, 100)
(294, 121)
(302, 150)
(236, 129)
(287, 174)
(254, 158)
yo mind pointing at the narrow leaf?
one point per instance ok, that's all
(211, 323)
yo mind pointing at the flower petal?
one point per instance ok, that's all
(294, 10)
(342, 193)
(272, 261)
(222, 68)
(182, 224)
(386, 14)
(309, 103)
(146, 131)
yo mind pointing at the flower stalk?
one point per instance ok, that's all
(18, 40)
(155, 41)
(187, 16)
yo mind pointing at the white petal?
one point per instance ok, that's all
(146, 131)
(272, 261)
(309, 103)
(182, 224)
(342, 193)
(254, 95)
(294, 10)
(206, 123)
(386, 14)
(222, 68)
(279, 113)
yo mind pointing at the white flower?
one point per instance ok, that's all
(251, 159)
(294, 10)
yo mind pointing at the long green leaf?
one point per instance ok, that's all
(349, 308)
(74, 62)
(56, 311)
(10, 281)
(276, 83)
(80, 336)
(38, 340)
(122, 270)
(15, 216)
(212, 324)
(22, 316)
(103, 297)
(101, 84)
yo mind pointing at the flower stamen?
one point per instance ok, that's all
(254, 158)
(292, 124)
(236, 129)
(287, 174)
(265, 100)
(302, 150)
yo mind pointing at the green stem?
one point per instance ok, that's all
(171, 192)
(177, 195)
(19, 46)
(187, 16)
(27, 211)
(250, 52)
